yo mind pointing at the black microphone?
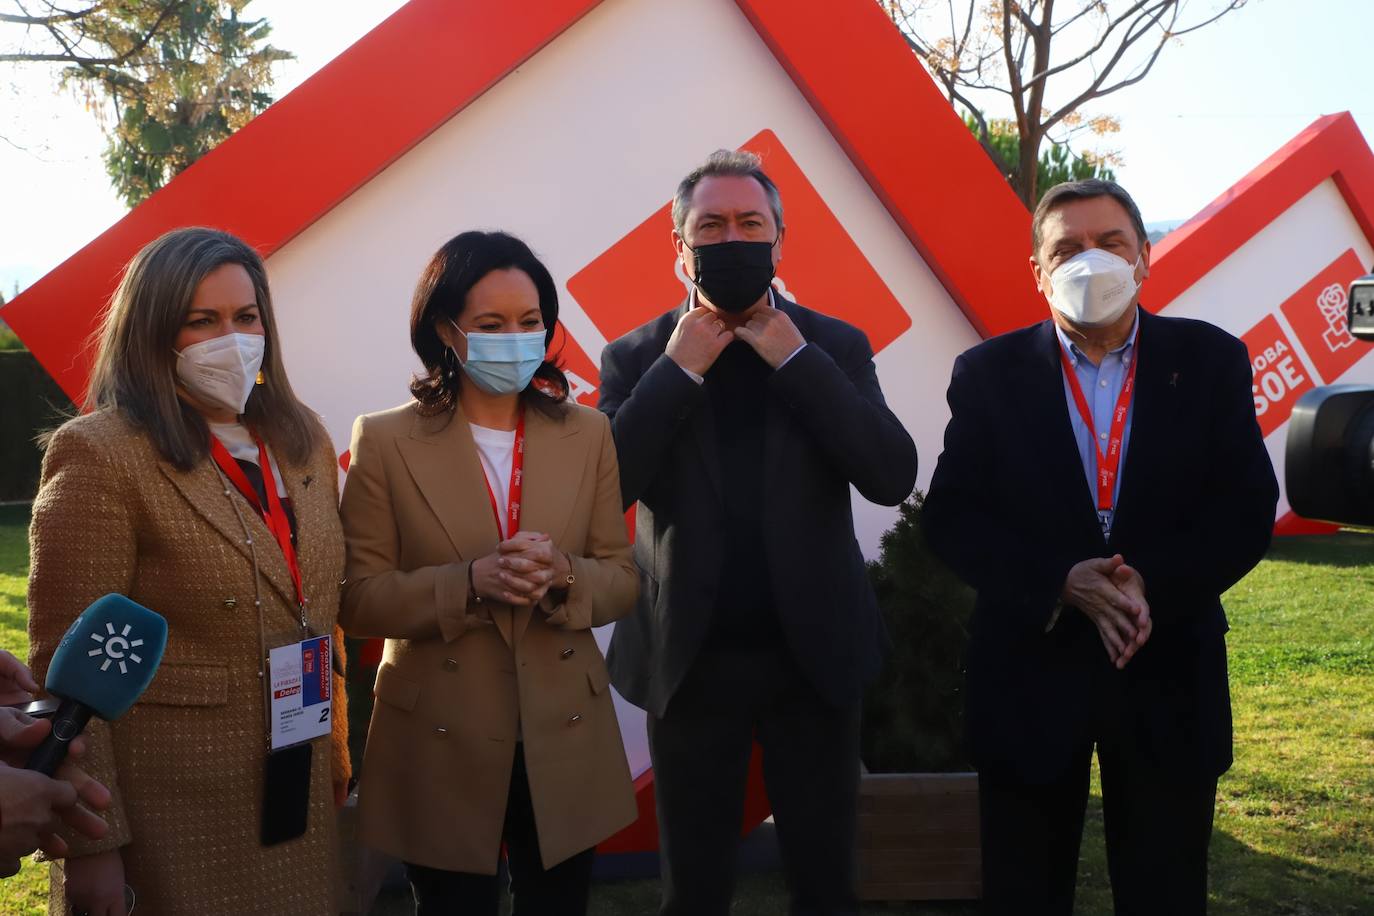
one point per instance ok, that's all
(105, 661)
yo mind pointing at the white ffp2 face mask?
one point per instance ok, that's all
(221, 371)
(1093, 287)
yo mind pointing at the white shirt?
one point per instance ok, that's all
(496, 449)
(238, 442)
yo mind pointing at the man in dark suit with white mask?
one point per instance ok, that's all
(1103, 482)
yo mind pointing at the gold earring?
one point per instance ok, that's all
(261, 378)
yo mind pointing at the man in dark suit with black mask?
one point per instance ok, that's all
(742, 420)
(1103, 482)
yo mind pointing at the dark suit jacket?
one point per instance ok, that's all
(828, 426)
(1010, 511)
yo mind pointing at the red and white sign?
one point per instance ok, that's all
(1270, 261)
(1317, 312)
(1280, 378)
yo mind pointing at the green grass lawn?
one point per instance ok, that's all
(1295, 815)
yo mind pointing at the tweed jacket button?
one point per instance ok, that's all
(575, 719)
(450, 664)
(566, 654)
(441, 732)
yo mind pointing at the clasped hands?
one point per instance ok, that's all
(33, 807)
(522, 570)
(702, 334)
(1112, 595)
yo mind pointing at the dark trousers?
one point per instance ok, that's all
(1157, 826)
(700, 751)
(559, 891)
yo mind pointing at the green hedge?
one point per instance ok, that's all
(30, 402)
(913, 715)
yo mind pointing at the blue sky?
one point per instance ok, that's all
(1216, 104)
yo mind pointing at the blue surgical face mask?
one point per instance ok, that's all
(502, 363)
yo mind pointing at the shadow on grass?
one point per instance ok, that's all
(1243, 881)
(1247, 881)
(1344, 550)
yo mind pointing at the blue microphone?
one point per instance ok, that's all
(105, 661)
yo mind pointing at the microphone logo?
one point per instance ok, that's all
(116, 647)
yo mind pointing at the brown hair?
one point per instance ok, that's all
(135, 366)
(725, 162)
(442, 294)
(1068, 191)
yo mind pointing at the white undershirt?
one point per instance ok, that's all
(239, 443)
(496, 448)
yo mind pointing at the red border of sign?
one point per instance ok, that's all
(1330, 147)
(432, 58)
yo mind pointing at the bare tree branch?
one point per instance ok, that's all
(47, 20)
(1229, 8)
(1087, 8)
(1009, 47)
(1112, 25)
(70, 53)
(1145, 23)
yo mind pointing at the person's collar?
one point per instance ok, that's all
(1075, 353)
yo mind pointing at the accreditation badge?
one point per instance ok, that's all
(301, 683)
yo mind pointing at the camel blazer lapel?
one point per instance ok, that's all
(210, 496)
(442, 459)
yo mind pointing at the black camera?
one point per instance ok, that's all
(1329, 464)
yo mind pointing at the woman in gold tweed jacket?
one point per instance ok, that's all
(485, 540)
(134, 500)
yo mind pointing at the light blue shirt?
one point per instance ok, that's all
(1101, 388)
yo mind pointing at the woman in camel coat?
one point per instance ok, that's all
(485, 539)
(133, 501)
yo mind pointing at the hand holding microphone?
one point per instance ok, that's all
(32, 805)
(105, 661)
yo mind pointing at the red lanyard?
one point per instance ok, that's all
(517, 484)
(274, 515)
(1108, 462)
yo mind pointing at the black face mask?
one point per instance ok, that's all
(733, 275)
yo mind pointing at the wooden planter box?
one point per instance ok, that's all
(918, 836)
